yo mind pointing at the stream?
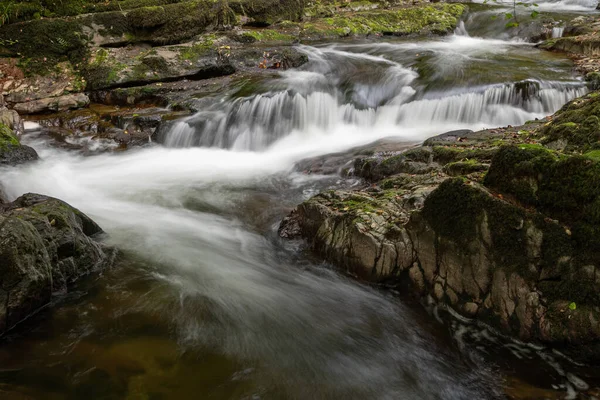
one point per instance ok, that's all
(206, 302)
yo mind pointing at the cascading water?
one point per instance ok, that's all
(391, 101)
(554, 5)
(557, 32)
(208, 303)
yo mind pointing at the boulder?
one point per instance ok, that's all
(45, 244)
(11, 151)
(507, 235)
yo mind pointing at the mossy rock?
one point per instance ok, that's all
(268, 12)
(429, 19)
(593, 80)
(448, 154)
(7, 137)
(464, 167)
(36, 9)
(564, 187)
(43, 43)
(173, 23)
(11, 151)
(455, 210)
(576, 126)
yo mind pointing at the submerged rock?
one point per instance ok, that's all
(45, 244)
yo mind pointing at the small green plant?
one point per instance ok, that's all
(5, 9)
(512, 17)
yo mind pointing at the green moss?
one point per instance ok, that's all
(173, 23)
(43, 43)
(577, 124)
(420, 154)
(529, 146)
(456, 210)
(7, 137)
(266, 35)
(464, 167)
(594, 155)
(35, 9)
(355, 204)
(147, 17)
(564, 187)
(198, 49)
(447, 154)
(437, 19)
(103, 71)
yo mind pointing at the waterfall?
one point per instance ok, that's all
(555, 5)
(460, 30)
(557, 32)
(256, 122)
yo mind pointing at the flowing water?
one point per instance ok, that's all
(206, 302)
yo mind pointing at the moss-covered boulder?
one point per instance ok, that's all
(173, 23)
(576, 126)
(563, 187)
(421, 19)
(11, 151)
(45, 244)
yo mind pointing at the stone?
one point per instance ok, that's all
(45, 244)
(467, 246)
(61, 103)
(12, 120)
(11, 151)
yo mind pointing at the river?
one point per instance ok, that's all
(206, 302)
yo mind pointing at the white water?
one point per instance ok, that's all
(556, 5)
(557, 32)
(314, 112)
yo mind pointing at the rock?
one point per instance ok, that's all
(45, 244)
(576, 124)
(61, 103)
(11, 151)
(268, 12)
(12, 120)
(133, 66)
(515, 265)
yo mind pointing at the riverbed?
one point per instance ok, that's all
(207, 302)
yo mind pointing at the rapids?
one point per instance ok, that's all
(207, 302)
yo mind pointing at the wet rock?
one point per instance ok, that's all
(53, 104)
(11, 151)
(513, 247)
(12, 120)
(45, 244)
